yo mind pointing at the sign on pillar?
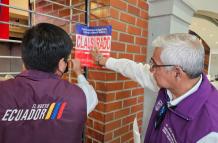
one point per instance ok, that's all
(88, 38)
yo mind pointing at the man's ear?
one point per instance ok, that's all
(62, 65)
(178, 72)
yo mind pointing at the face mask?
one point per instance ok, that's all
(66, 70)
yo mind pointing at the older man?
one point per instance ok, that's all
(186, 107)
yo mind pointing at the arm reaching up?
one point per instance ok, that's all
(91, 96)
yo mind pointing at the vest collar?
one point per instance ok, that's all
(190, 106)
(37, 75)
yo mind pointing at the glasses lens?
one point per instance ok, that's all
(151, 63)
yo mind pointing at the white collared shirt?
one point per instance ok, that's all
(185, 95)
(91, 96)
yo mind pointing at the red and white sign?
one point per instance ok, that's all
(88, 38)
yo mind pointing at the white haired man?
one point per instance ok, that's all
(186, 107)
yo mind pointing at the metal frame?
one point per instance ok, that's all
(34, 13)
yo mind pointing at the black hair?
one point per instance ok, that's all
(44, 45)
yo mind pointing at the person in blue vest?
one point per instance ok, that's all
(37, 106)
(185, 110)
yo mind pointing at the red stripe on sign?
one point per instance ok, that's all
(61, 110)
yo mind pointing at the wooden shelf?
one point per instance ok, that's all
(17, 16)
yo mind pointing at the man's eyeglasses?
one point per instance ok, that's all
(153, 64)
(160, 116)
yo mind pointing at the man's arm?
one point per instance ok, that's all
(91, 96)
(135, 71)
(128, 68)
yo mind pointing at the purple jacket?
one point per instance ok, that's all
(189, 121)
(39, 107)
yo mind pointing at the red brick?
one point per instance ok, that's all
(110, 97)
(140, 122)
(133, 1)
(118, 25)
(113, 106)
(99, 126)
(142, 23)
(100, 106)
(88, 140)
(64, 12)
(126, 38)
(57, 7)
(134, 30)
(122, 113)
(101, 75)
(114, 13)
(111, 76)
(109, 117)
(141, 41)
(127, 56)
(129, 102)
(112, 125)
(89, 123)
(144, 14)
(143, 50)
(101, 86)
(108, 137)
(131, 141)
(145, 33)
(140, 115)
(114, 54)
(121, 131)
(143, 4)
(97, 115)
(128, 119)
(127, 18)
(82, 18)
(134, 10)
(130, 84)
(114, 86)
(116, 141)
(123, 94)
(61, 1)
(97, 75)
(139, 58)
(133, 49)
(41, 3)
(114, 35)
(96, 135)
(140, 99)
(136, 108)
(119, 4)
(75, 18)
(103, 22)
(126, 137)
(47, 8)
(117, 46)
(121, 77)
(93, 23)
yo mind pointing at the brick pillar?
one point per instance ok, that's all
(120, 99)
